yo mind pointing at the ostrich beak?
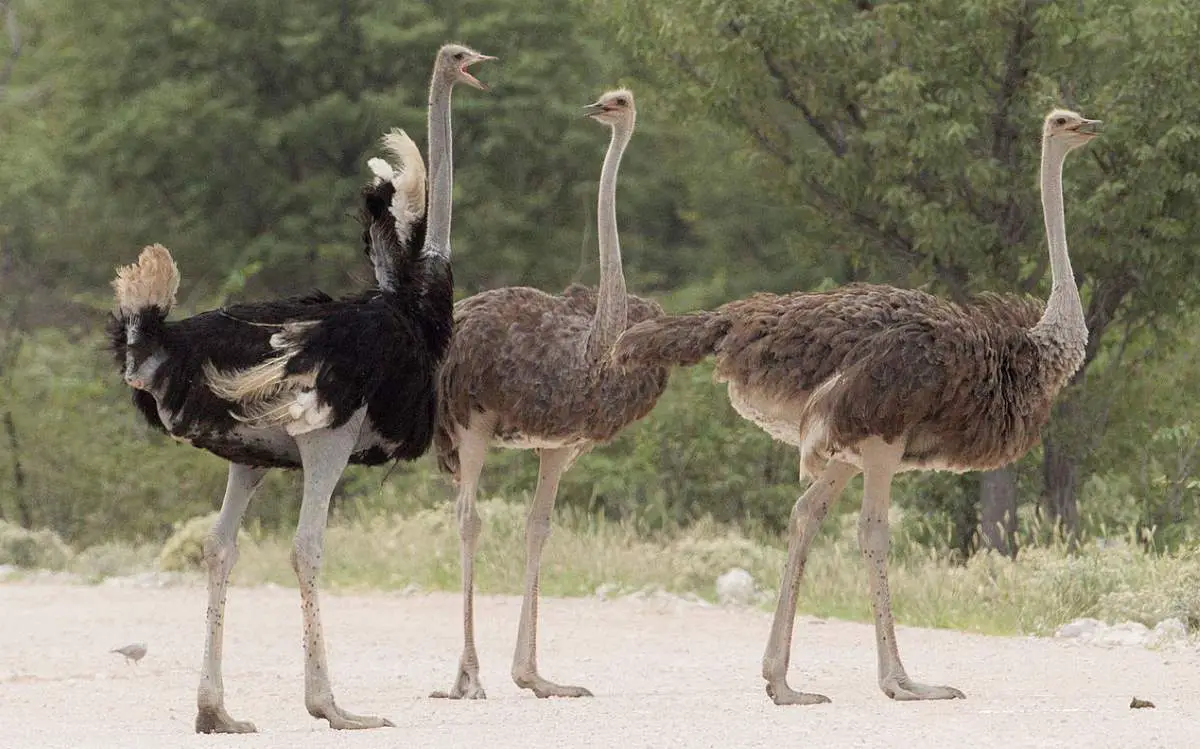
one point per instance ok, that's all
(591, 110)
(470, 79)
(1089, 127)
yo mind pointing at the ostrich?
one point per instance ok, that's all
(881, 380)
(309, 382)
(526, 370)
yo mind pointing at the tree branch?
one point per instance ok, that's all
(1107, 297)
(1030, 282)
(1005, 133)
(836, 143)
(900, 246)
(1012, 215)
(823, 130)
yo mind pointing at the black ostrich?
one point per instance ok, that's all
(309, 382)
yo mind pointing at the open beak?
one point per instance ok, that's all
(472, 80)
(591, 110)
(1089, 127)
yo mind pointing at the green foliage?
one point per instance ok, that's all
(238, 136)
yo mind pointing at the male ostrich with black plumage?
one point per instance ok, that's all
(881, 380)
(309, 382)
(526, 370)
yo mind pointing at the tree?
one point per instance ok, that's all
(906, 133)
(238, 135)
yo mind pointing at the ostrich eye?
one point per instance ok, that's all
(458, 55)
(1061, 121)
(621, 100)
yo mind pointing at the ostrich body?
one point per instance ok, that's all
(309, 382)
(881, 380)
(526, 370)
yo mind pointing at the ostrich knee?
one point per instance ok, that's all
(874, 538)
(538, 529)
(306, 560)
(469, 524)
(219, 555)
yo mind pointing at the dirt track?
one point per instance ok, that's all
(666, 674)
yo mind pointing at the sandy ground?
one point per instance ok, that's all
(666, 674)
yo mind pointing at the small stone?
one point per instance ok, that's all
(1168, 631)
(411, 589)
(1136, 704)
(694, 598)
(1082, 628)
(1124, 634)
(735, 587)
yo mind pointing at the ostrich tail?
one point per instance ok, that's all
(670, 341)
(148, 286)
(145, 294)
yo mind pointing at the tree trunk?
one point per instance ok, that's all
(24, 516)
(998, 510)
(1060, 474)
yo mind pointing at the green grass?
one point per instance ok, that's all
(1045, 588)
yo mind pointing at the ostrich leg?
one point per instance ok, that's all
(553, 464)
(220, 554)
(472, 449)
(880, 461)
(807, 514)
(323, 454)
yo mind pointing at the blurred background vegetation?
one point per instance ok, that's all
(782, 145)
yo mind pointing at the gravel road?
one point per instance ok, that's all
(666, 674)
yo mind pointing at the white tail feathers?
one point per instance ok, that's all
(150, 282)
(407, 175)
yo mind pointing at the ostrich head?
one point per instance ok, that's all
(1070, 129)
(453, 61)
(613, 108)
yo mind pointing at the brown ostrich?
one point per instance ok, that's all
(526, 370)
(881, 380)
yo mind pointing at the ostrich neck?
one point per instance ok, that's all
(1063, 319)
(441, 169)
(611, 300)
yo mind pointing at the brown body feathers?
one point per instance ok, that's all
(537, 380)
(964, 385)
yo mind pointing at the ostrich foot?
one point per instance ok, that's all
(466, 687)
(216, 720)
(904, 688)
(543, 688)
(344, 721)
(782, 694)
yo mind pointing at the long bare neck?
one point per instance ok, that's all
(441, 169)
(1063, 319)
(612, 299)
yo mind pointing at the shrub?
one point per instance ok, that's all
(184, 550)
(41, 549)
